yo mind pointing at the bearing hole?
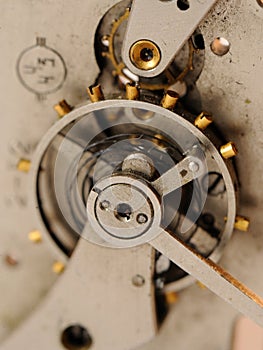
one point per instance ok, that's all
(123, 212)
(198, 41)
(183, 5)
(146, 54)
(260, 2)
(183, 173)
(220, 46)
(76, 337)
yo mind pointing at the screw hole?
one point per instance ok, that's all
(146, 54)
(220, 46)
(76, 337)
(260, 2)
(183, 5)
(123, 212)
(183, 173)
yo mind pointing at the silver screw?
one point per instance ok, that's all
(142, 218)
(104, 205)
(138, 281)
(193, 166)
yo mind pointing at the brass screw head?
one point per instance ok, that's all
(229, 150)
(145, 55)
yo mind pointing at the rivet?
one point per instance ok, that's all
(138, 281)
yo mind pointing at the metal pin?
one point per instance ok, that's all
(132, 92)
(24, 165)
(62, 108)
(35, 236)
(95, 93)
(229, 150)
(58, 267)
(242, 223)
(170, 99)
(171, 298)
(203, 120)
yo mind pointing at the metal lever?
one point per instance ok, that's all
(163, 24)
(211, 275)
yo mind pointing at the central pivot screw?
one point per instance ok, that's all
(145, 55)
(123, 212)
